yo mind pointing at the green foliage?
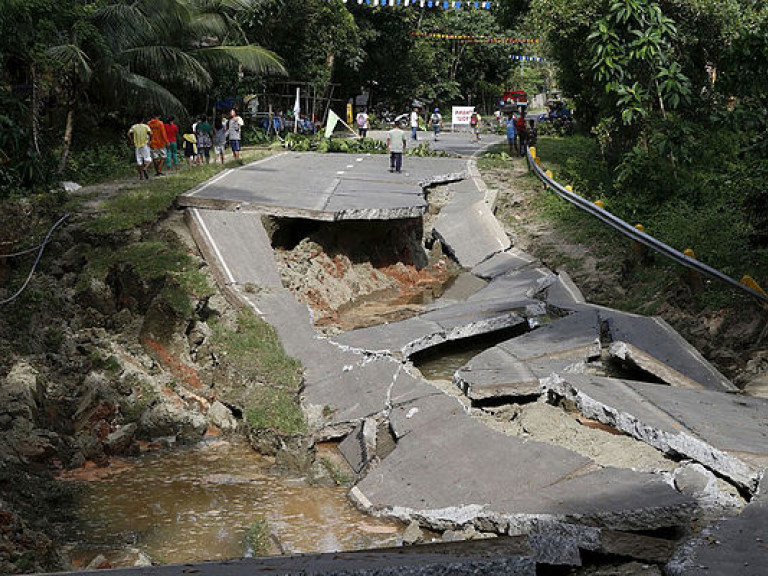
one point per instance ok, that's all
(318, 143)
(256, 349)
(257, 539)
(275, 410)
(340, 476)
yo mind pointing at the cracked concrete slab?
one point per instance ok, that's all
(564, 292)
(522, 284)
(462, 320)
(737, 545)
(503, 263)
(341, 186)
(654, 346)
(467, 228)
(509, 483)
(726, 433)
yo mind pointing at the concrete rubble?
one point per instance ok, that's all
(724, 432)
(449, 470)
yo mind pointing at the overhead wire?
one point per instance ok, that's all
(40, 248)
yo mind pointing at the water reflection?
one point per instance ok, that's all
(199, 503)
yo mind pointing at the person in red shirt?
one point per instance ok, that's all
(158, 143)
(172, 149)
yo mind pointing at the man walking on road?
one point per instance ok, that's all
(414, 123)
(158, 143)
(139, 134)
(395, 146)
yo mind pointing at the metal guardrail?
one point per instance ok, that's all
(638, 236)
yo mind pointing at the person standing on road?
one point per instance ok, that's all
(474, 122)
(172, 150)
(510, 122)
(437, 122)
(203, 134)
(219, 139)
(414, 123)
(396, 144)
(157, 143)
(234, 127)
(139, 135)
(363, 123)
(522, 133)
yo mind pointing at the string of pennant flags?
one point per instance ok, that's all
(475, 39)
(446, 4)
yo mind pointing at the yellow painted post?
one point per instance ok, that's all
(750, 282)
(599, 204)
(549, 174)
(538, 161)
(532, 150)
(693, 277)
(640, 250)
(569, 188)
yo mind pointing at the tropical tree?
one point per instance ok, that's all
(142, 55)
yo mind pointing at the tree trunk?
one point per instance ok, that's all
(35, 110)
(67, 137)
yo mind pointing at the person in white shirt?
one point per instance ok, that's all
(414, 123)
(234, 127)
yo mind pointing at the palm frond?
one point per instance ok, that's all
(72, 59)
(141, 93)
(251, 58)
(123, 24)
(168, 63)
(208, 25)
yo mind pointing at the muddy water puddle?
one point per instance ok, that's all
(200, 503)
(441, 362)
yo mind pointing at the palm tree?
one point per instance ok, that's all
(142, 53)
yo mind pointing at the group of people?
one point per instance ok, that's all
(520, 134)
(160, 142)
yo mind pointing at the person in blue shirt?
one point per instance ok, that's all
(510, 122)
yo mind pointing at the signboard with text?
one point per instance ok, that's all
(460, 115)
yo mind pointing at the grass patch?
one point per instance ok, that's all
(144, 204)
(338, 474)
(276, 410)
(256, 349)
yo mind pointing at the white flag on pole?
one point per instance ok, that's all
(296, 111)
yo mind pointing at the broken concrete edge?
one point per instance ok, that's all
(491, 196)
(542, 284)
(547, 533)
(626, 351)
(391, 213)
(716, 460)
(570, 287)
(530, 262)
(442, 179)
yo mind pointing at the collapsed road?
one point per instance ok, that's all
(429, 457)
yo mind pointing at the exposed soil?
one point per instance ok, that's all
(734, 339)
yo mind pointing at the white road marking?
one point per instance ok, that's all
(212, 243)
(211, 181)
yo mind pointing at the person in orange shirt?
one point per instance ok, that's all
(157, 143)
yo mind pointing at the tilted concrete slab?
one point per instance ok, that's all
(575, 335)
(242, 237)
(514, 367)
(453, 471)
(564, 292)
(326, 186)
(465, 319)
(470, 233)
(522, 284)
(727, 433)
(731, 546)
(654, 346)
(503, 263)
